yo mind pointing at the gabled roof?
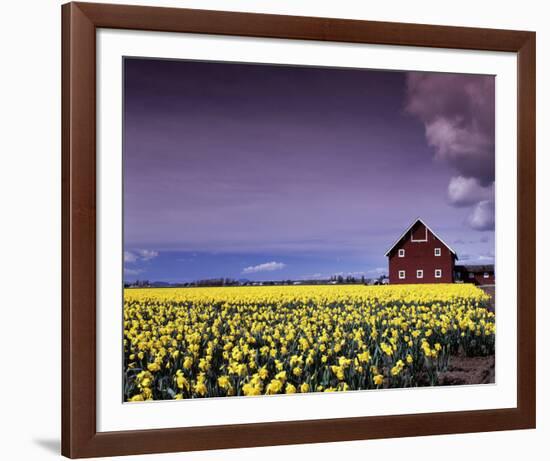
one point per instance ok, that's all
(427, 227)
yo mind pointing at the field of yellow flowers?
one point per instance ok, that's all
(211, 342)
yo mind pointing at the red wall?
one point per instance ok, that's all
(480, 280)
(420, 255)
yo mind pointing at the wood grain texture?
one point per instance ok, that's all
(79, 436)
(526, 215)
(79, 231)
(299, 27)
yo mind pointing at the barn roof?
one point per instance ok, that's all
(428, 227)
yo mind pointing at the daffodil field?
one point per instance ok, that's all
(184, 343)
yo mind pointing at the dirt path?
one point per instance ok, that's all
(469, 370)
(490, 290)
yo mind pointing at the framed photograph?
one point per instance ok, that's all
(282, 230)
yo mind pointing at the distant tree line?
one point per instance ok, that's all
(229, 282)
(347, 279)
(216, 282)
(138, 284)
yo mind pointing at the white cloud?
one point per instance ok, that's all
(483, 216)
(378, 270)
(482, 258)
(316, 276)
(136, 256)
(132, 271)
(139, 255)
(368, 273)
(468, 191)
(265, 267)
(146, 255)
(129, 257)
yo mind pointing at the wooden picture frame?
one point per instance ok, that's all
(79, 435)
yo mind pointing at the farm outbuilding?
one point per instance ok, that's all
(419, 255)
(476, 274)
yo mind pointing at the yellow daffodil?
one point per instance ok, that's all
(224, 341)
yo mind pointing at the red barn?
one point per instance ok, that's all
(420, 256)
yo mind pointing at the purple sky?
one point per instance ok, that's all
(275, 172)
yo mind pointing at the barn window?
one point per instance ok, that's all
(485, 275)
(419, 274)
(437, 273)
(401, 253)
(471, 275)
(437, 251)
(401, 275)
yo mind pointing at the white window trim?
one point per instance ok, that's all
(401, 253)
(402, 275)
(438, 271)
(485, 275)
(437, 251)
(419, 274)
(425, 239)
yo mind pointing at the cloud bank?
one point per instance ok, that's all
(265, 267)
(458, 113)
